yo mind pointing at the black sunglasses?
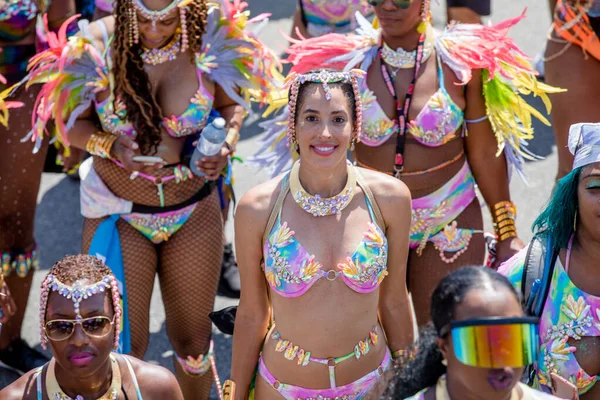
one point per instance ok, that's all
(398, 3)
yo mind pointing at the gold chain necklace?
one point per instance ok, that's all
(402, 59)
(164, 54)
(319, 206)
(55, 392)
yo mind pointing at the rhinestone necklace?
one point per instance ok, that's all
(319, 206)
(55, 392)
(164, 54)
(402, 59)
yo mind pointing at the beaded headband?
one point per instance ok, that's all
(325, 78)
(77, 293)
(136, 6)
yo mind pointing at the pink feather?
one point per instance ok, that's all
(314, 53)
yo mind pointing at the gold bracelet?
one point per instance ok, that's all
(404, 354)
(503, 223)
(504, 207)
(228, 390)
(100, 144)
(507, 235)
(232, 138)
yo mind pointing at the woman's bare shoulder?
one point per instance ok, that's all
(23, 388)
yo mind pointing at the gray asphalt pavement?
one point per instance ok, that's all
(58, 222)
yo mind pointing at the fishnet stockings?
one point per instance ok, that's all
(20, 175)
(140, 261)
(188, 265)
(426, 271)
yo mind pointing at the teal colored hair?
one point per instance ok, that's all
(559, 215)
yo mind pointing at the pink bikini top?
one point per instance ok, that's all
(113, 115)
(291, 270)
(435, 125)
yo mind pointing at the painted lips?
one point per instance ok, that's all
(81, 359)
(501, 379)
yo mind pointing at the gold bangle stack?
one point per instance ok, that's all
(504, 215)
(100, 144)
(228, 390)
(232, 138)
(404, 355)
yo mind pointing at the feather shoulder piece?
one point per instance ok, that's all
(71, 72)
(507, 75)
(335, 51)
(234, 57)
(5, 105)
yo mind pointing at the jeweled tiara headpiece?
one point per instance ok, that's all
(136, 6)
(78, 292)
(324, 77)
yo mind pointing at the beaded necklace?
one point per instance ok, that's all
(164, 54)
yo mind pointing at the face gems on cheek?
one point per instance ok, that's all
(77, 293)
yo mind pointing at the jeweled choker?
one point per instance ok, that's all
(402, 59)
(55, 392)
(164, 54)
(319, 206)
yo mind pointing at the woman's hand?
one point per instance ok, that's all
(506, 249)
(124, 149)
(213, 165)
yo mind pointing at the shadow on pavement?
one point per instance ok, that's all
(58, 222)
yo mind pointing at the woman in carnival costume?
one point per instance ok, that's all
(477, 346)
(439, 137)
(79, 319)
(572, 53)
(335, 310)
(314, 18)
(20, 171)
(121, 90)
(567, 297)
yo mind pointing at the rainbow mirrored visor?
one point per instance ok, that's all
(496, 342)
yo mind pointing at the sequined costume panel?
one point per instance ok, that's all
(334, 12)
(433, 215)
(159, 227)
(569, 313)
(435, 125)
(17, 19)
(353, 391)
(291, 271)
(113, 115)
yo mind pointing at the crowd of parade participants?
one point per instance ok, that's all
(363, 266)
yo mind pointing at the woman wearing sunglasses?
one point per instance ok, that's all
(566, 291)
(441, 139)
(79, 313)
(477, 346)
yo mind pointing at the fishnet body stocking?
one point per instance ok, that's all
(188, 265)
(426, 271)
(20, 175)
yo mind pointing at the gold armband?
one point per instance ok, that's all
(404, 354)
(504, 214)
(100, 144)
(228, 390)
(232, 138)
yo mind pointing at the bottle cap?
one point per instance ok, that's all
(219, 123)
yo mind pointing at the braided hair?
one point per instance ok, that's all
(132, 85)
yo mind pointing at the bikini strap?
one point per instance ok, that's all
(102, 25)
(440, 68)
(38, 379)
(133, 378)
(276, 211)
(374, 209)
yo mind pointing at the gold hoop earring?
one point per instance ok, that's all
(575, 222)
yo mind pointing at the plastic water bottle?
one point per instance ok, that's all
(210, 143)
(594, 10)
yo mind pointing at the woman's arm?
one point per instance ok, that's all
(395, 312)
(298, 24)
(233, 114)
(252, 317)
(490, 172)
(59, 11)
